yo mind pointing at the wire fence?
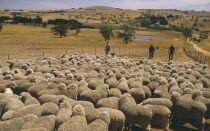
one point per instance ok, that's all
(42, 52)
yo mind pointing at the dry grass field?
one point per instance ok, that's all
(25, 41)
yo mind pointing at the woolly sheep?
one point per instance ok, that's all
(77, 122)
(102, 123)
(123, 86)
(160, 116)
(64, 113)
(188, 109)
(138, 94)
(95, 95)
(16, 123)
(47, 122)
(28, 99)
(158, 101)
(8, 91)
(114, 92)
(96, 82)
(135, 114)
(49, 109)
(111, 102)
(112, 81)
(198, 96)
(30, 109)
(117, 119)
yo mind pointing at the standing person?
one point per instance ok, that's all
(171, 52)
(151, 51)
(107, 48)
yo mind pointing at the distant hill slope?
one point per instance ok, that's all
(99, 8)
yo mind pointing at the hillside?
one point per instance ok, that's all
(99, 8)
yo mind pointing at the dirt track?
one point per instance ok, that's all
(199, 49)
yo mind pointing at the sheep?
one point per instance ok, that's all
(117, 119)
(47, 122)
(153, 85)
(158, 101)
(123, 86)
(34, 90)
(138, 94)
(28, 99)
(77, 122)
(160, 116)
(49, 109)
(102, 123)
(63, 114)
(198, 96)
(146, 91)
(16, 123)
(8, 91)
(91, 114)
(30, 109)
(114, 92)
(13, 104)
(111, 102)
(95, 95)
(112, 81)
(96, 82)
(51, 98)
(188, 110)
(135, 114)
(137, 83)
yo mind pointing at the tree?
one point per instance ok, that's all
(187, 32)
(163, 21)
(106, 32)
(203, 35)
(1, 27)
(127, 33)
(144, 23)
(153, 19)
(60, 29)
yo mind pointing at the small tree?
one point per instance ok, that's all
(60, 29)
(127, 33)
(1, 27)
(106, 32)
(187, 32)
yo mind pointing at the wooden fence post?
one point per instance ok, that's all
(8, 56)
(66, 51)
(201, 59)
(43, 53)
(82, 50)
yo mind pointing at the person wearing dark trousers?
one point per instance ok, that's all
(171, 52)
(151, 51)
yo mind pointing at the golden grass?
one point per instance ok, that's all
(29, 41)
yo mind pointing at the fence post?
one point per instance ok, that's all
(82, 50)
(66, 51)
(8, 56)
(205, 60)
(43, 53)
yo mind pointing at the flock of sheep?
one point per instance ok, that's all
(75, 92)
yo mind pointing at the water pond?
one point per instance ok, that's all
(149, 37)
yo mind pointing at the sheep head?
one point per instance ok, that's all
(78, 110)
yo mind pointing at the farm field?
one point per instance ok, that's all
(32, 41)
